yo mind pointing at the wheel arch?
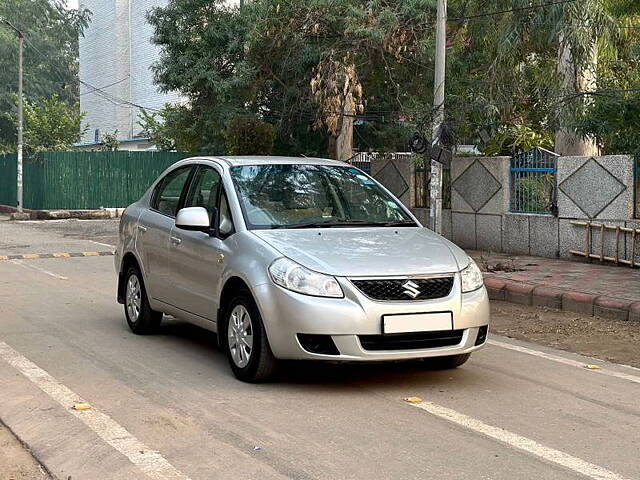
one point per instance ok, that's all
(232, 286)
(128, 260)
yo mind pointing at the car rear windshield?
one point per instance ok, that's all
(313, 196)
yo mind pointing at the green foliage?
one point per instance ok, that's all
(246, 135)
(52, 125)
(286, 63)
(533, 194)
(50, 70)
(503, 69)
(261, 60)
(511, 139)
(109, 142)
(612, 116)
(173, 128)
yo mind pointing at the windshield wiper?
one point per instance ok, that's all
(400, 223)
(347, 223)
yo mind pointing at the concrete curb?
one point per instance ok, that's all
(29, 214)
(560, 299)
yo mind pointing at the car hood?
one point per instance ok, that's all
(367, 251)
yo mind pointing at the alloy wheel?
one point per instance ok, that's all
(133, 298)
(240, 336)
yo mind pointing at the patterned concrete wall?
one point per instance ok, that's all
(595, 187)
(479, 197)
(589, 188)
(397, 175)
(599, 189)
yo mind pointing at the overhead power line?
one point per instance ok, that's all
(520, 9)
(105, 86)
(95, 89)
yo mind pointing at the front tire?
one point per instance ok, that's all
(245, 342)
(142, 320)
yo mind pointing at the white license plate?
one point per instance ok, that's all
(417, 322)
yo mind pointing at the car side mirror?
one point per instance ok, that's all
(195, 219)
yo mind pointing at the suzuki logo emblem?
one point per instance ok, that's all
(411, 289)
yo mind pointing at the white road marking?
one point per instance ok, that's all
(152, 463)
(103, 244)
(522, 443)
(35, 267)
(566, 361)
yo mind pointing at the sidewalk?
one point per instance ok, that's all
(577, 286)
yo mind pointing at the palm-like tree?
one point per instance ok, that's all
(548, 50)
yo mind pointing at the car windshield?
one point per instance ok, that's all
(313, 196)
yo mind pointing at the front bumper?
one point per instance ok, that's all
(287, 314)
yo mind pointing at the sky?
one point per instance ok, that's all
(72, 3)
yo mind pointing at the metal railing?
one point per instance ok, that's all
(533, 182)
(362, 160)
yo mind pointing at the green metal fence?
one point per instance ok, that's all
(83, 180)
(8, 174)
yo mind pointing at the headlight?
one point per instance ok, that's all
(471, 278)
(292, 276)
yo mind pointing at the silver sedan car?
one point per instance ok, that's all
(298, 259)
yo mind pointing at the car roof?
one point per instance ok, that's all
(234, 161)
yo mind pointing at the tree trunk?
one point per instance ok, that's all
(341, 146)
(574, 80)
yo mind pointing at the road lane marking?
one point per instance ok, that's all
(103, 244)
(521, 443)
(35, 267)
(151, 462)
(566, 361)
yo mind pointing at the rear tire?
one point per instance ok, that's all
(142, 320)
(244, 341)
(448, 362)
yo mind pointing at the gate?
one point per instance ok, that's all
(533, 182)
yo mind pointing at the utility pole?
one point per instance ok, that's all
(438, 115)
(20, 75)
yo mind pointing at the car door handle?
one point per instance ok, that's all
(176, 240)
(142, 228)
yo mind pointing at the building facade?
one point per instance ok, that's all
(116, 81)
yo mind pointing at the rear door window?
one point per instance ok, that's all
(166, 198)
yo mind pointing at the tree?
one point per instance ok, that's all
(247, 135)
(50, 57)
(307, 67)
(109, 142)
(612, 114)
(537, 63)
(52, 125)
(173, 128)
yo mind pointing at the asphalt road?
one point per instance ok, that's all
(167, 406)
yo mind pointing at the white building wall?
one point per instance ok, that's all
(116, 54)
(143, 55)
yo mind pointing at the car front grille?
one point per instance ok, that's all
(411, 341)
(405, 288)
